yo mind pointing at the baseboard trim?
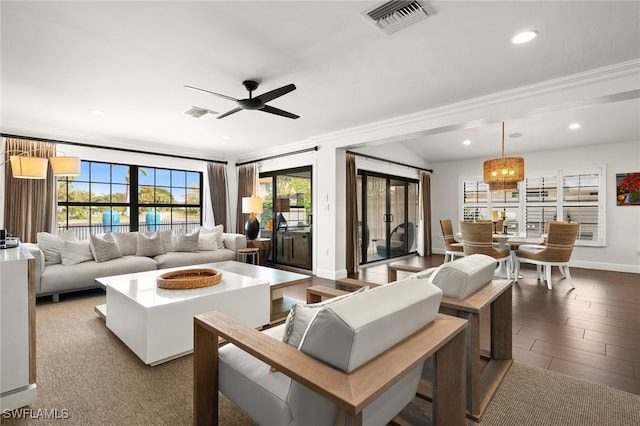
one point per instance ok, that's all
(331, 275)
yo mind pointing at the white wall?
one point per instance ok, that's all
(622, 252)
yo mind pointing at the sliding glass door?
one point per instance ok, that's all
(286, 216)
(387, 216)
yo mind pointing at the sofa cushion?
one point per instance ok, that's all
(149, 245)
(463, 277)
(74, 252)
(103, 248)
(176, 258)
(127, 241)
(248, 382)
(60, 278)
(187, 242)
(301, 315)
(52, 244)
(351, 331)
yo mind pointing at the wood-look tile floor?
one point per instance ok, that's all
(591, 332)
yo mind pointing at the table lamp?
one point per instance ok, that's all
(252, 205)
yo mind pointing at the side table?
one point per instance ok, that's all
(247, 255)
(264, 247)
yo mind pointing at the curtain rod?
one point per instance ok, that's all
(389, 161)
(315, 148)
(86, 145)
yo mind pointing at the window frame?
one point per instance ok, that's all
(133, 203)
(560, 204)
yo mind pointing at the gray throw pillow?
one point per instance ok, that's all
(104, 249)
(149, 245)
(187, 242)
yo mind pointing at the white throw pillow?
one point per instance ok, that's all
(187, 242)
(74, 252)
(103, 248)
(168, 241)
(208, 241)
(149, 245)
(127, 241)
(301, 316)
(211, 238)
(51, 245)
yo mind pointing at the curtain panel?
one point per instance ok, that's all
(29, 204)
(217, 174)
(353, 247)
(425, 211)
(247, 186)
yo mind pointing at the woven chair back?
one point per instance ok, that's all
(561, 238)
(447, 235)
(478, 239)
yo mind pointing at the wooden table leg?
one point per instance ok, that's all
(473, 361)
(449, 383)
(205, 373)
(501, 327)
(392, 274)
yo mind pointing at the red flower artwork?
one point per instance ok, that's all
(628, 189)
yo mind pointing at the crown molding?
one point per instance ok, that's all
(586, 78)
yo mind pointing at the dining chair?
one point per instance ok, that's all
(561, 238)
(478, 239)
(453, 248)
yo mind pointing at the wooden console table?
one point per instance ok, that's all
(485, 371)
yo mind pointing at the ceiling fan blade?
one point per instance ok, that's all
(278, 111)
(212, 93)
(233, 111)
(276, 93)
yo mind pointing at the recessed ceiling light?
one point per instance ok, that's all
(226, 137)
(524, 37)
(574, 126)
(96, 112)
(466, 142)
(515, 135)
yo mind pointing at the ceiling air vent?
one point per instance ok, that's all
(197, 112)
(395, 15)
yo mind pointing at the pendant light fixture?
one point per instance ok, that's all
(503, 173)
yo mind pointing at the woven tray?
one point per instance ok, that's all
(189, 278)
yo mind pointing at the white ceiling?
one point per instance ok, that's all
(59, 59)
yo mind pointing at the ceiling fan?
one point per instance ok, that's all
(257, 103)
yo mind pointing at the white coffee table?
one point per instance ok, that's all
(157, 324)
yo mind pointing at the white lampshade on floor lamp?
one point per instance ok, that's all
(252, 205)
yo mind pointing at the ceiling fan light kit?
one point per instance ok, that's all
(258, 103)
(503, 173)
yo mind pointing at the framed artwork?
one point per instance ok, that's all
(628, 189)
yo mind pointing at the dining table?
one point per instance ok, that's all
(512, 242)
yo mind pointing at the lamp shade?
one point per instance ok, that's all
(503, 186)
(504, 169)
(251, 205)
(65, 166)
(28, 167)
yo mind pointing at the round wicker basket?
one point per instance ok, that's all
(189, 278)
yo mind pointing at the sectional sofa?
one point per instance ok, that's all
(64, 264)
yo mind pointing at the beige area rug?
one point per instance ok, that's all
(86, 376)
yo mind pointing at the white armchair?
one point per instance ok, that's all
(359, 361)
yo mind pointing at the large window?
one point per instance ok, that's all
(117, 197)
(565, 195)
